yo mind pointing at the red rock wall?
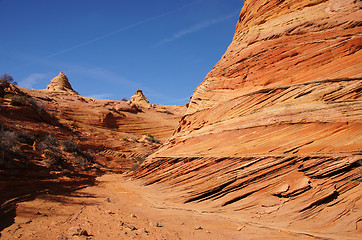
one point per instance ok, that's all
(274, 132)
(280, 43)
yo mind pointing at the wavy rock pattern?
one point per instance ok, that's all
(273, 135)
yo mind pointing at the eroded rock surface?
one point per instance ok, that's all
(60, 84)
(140, 100)
(274, 132)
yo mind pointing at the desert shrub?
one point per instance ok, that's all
(167, 112)
(9, 95)
(70, 146)
(23, 100)
(9, 145)
(48, 142)
(53, 158)
(26, 137)
(152, 139)
(6, 79)
(66, 172)
(2, 92)
(39, 107)
(81, 162)
(19, 101)
(140, 160)
(9, 140)
(90, 154)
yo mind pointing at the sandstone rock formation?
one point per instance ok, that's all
(274, 132)
(60, 84)
(140, 100)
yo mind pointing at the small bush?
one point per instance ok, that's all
(48, 142)
(90, 154)
(9, 145)
(53, 158)
(167, 112)
(70, 146)
(81, 162)
(140, 160)
(9, 140)
(19, 101)
(6, 79)
(66, 172)
(39, 107)
(26, 137)
(152, 139)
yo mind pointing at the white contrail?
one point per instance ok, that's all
(111, 33)
(196, 28)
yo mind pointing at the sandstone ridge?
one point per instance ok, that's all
(273, 133)
(60, 84)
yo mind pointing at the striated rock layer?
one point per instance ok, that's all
(273, 135)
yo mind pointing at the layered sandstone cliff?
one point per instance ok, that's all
(274, 132)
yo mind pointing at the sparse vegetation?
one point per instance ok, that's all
(81, 162)
(140, 160)
(26, 137)
(152, 139)
(48, 142)
(6, 80)
(19, 101)
(70, 146)
(90, 154)
(167, 112)
(9, 145)
(9, 140)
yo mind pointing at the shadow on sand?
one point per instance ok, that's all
(14, 190)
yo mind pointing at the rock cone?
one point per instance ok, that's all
(60, 84)
(140, 100)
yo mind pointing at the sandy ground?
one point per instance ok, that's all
(118, 208)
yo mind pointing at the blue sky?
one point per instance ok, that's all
(109, 49)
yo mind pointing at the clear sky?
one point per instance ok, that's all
(108, 49)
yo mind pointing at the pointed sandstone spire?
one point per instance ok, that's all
(60, 84)
(140, 100)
